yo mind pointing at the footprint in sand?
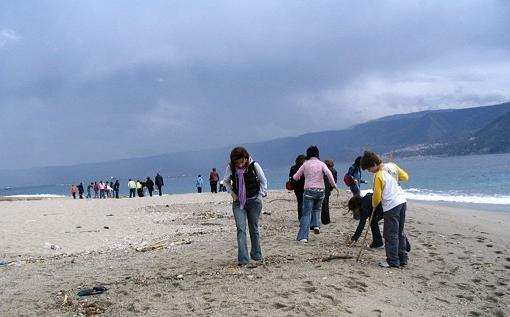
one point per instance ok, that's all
(377, 312)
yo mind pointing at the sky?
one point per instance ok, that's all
(93, 80)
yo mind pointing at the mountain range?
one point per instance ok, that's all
(479, 130)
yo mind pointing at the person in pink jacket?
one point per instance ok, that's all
(314, 170)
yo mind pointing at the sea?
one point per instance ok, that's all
(467, 180)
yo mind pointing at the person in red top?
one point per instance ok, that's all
(213, 180)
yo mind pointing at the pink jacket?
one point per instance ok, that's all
(314, 170)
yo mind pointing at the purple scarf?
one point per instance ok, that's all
(241, 188)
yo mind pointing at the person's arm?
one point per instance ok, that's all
(378, 188)
(226, 179)
(328, 173)
(361, 225)
(262, 179)
(402, 175)
(299, 173)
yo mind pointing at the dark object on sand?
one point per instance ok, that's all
(106, 227)
(92, 291)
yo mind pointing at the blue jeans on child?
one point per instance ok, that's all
(250, 213)
(395, 241)
(311, 217)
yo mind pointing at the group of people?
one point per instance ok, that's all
(214, 178)
(313, 181)
(105, 189)
(142, 188)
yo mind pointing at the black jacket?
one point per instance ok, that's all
(300, 184)
(150, 184)
(327, 185)
(365, 212)
(159, 180)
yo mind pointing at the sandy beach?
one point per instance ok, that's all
(176, 256)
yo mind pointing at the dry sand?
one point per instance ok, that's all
(459, 265)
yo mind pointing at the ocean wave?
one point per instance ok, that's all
(453, 196)
(36, 196)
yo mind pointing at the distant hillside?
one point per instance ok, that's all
(443, 132)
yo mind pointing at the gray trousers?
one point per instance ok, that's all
(395, 241)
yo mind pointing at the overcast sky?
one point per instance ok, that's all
(84, 81)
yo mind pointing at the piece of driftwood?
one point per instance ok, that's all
(161, 244)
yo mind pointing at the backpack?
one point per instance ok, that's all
(348, 180)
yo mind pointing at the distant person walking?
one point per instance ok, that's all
(116, 188)
(245, 181)
(74, 190)
(96, 190)
(313, 169)
(132, 188)
(387, 191)
(81, 190)
(139, 188)
(299, 185)
(150, 185)
(199, 183)
(325, 218)
(102, 190)
(213, 180)
(159, 183)
(89, 190)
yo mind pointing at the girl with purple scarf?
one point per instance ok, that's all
(246, 182)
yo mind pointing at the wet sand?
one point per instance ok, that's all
(176, 255)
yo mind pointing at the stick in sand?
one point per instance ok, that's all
(366, 234)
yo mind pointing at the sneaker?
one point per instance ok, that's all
(303, 240)
(316, 230)
(372, 246)
(386, 265)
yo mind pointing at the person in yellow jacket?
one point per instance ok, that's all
(139, 188)
(387, 192)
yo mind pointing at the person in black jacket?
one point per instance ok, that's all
(363, 207)
(159, 183)
(325, 219)
(150, 185)
(299, 186)
(81, 190)
(116, 188)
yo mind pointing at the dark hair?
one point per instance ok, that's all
(312, 151)
(329, 163)
(354, 203)
(214, 169)
(357, 162)
(237, 153)
(300, 159)
(369, 159)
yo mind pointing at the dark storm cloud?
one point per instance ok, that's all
(93, 80)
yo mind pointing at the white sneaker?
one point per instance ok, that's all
(384, 264)
(316, 230)
(304, 240)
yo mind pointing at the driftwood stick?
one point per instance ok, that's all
(366, 234)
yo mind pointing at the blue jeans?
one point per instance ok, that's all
(251, 213)
(311, 217)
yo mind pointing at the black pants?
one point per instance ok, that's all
(150, 191)
(132, 192)
(214, 186)
(377, 240)
(199, 189)
(160, 189)
(74, 195)
(140, 192)
(116, 193)
(325, 210)
(299, 197)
